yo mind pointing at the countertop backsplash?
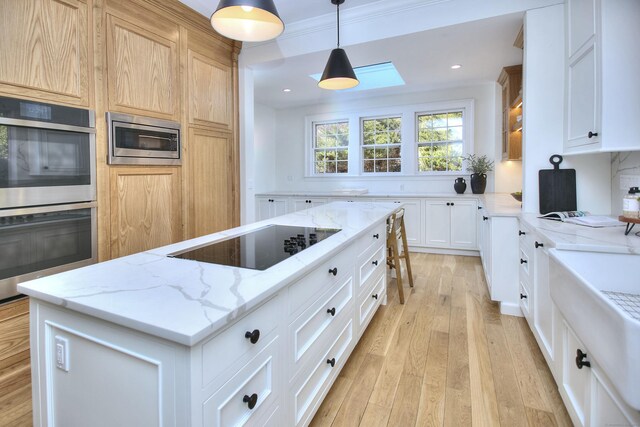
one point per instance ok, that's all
(623, 164)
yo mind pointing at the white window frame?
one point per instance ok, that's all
(314, 148)
(418, 143)
(409, 135)
(362, 146)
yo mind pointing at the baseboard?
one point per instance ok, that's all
(461, 252)
(510, 309)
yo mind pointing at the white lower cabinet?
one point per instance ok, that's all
(575, 377)
(451, 223)
(413, 219)
(270, 207)
(300, 203)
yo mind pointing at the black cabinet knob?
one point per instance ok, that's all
(523, 261)
(377, 236)
(453, 204)
(331, 362)
(374, 262)
(331, 311)
(523, 296)
(448, 204)
(270, 200)
(252, 336)
(484, 218)
(580, 362)
(592, 134)
(250, 400)
(374, 296)
(539, 245)
(521, 233)
(479, 207)
(333, 271)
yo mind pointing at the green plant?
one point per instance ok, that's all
(478, 164)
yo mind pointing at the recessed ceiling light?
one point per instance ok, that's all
(456, 67)
(286, 90)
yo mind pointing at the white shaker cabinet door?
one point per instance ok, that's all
(463, 224)
(438, 223)
(582, 99)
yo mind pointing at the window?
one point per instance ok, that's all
(331, 147)
(440, 141)
(381, 148)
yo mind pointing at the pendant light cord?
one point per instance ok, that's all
(338, 19)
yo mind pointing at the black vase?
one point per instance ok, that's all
(478, 183)
(460, 185)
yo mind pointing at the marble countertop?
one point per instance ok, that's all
(185, 301)
(500, 204)
(580, 238)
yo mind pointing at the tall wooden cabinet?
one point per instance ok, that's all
(511, 81)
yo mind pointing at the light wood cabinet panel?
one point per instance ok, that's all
(210, 183)
(210, 91)
(44, 50)
(145, 209)
(142, 70)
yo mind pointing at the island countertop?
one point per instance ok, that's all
(185, 301)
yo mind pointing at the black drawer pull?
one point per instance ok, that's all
(580, 362)
(333, 271)
(331, 311)
(270, 200)
(250, 400)
(331, 362)
(374, 296)
(479, 207)
(377, 236)
(253, 336)
(523, 296)
(592, 134)
(523, 261)
(521, 233)
(539, 245)
(484, 218)
(374, 262)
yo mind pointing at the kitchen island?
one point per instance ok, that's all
(154, 340)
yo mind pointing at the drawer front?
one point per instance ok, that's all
(525, 263)
(309, 388)
(369, 302)
(525, 299)
(307, 332)
(236, 346)
(371, 263)
(232, 404)
(374, 236)
(305, 291)
(575, 381)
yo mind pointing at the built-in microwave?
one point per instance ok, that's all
(135, 140)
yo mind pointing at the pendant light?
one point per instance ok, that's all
(338, 74)
(247, 20)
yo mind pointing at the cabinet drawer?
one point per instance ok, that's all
(575, 381)
(230, 405)
(369, 302)
(525, 262)
(373, 236)
(307, 332)
(231, 346)
(309, 388)
(371, 263)
(525, 299)
(304, 292)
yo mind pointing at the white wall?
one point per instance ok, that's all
(290, 140)
(264, 148)
(543, 131)
(623, 164)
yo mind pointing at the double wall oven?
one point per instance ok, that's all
(47, 191)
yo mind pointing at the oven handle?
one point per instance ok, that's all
(47, 209)
(44, 125)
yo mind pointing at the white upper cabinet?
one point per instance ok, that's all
(602, 69)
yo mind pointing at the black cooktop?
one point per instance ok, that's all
(259, 249)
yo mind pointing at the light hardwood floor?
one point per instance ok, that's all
(447, 357)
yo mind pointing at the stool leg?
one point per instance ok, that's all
(405, 248)
(396, 261)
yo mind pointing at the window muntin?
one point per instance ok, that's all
(440, 141)
(381, 145)
(331, 147)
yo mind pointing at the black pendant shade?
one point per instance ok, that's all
(338, 73)
(247, 20)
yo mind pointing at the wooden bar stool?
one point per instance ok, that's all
(395, 232)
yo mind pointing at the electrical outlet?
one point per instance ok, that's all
(62, 353)
(289, 178)
(401, 187)
(628, 181)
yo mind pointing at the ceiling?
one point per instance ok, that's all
(423, 59)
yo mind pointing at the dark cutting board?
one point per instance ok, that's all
(557, 188)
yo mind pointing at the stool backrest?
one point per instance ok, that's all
(394, 224)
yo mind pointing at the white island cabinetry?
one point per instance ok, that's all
(209, 345)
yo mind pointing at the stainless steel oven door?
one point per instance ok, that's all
(37, 242)
(45, 163)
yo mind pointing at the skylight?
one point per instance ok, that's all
(374, 76)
